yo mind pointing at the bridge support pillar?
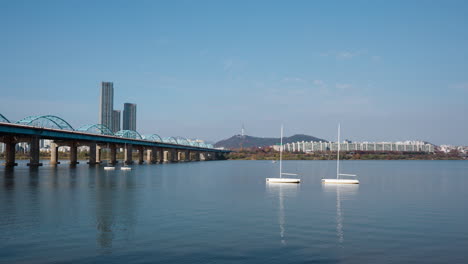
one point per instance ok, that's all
(160, 155)
(128, 158)
(98, 154)
(151, 155)
(10, 145)
(34, 151)
(165, 155)
(173, 155)
(93, 154)
(141, 152)
(179, 155)
(74, 154)
(187, 155)
(197, 156)
(113, 154)
(54, 159)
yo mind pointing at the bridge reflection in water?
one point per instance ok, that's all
(96, 137)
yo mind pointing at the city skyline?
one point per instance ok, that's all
(129, 117)
(384, 70)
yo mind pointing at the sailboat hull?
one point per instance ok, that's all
(283, 180)
(340, 181)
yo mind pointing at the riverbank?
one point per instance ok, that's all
(270, 154)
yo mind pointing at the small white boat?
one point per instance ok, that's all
(281, 179)
(109, 168)
(338, 174)
(125, 168)
(273, 161)
(340, 181)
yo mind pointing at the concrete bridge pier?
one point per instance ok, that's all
(98, 154)
(10, 148)
(197, 156)
(160, 157)
(34, 151)
(54, 158)
(179, 156)
(128, 159)
(74, 154)
(141, 152)
(113, 154)
(173, 156)
(93, 154)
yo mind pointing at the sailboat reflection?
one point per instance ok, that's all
(282, 191)
(343, 192)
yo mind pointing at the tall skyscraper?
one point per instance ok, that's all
(107, 104)
(129, 117)
(115, 121)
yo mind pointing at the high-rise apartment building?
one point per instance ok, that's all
(115, 121)
(107, 104)
(129, 117)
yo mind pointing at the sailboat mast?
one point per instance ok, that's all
(281, 152)
(338, 154)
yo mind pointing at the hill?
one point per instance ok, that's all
(239, 141)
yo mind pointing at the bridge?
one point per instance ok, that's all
(97, 137)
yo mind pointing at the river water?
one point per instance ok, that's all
(224, 212)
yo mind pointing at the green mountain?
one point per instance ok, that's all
(239, 141)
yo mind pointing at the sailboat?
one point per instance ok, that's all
(338, 174)
(281, 179)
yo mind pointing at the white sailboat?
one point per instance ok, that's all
(281, 179)
(338, 174)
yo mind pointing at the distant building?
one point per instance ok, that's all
(129, 117)
(312, 146)
(115, 121)
(106, 107)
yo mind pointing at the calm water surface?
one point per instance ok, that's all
(224, 212)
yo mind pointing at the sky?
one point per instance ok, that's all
(384, 70)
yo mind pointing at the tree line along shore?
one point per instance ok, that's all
(267, 153)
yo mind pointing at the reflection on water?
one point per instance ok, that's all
(343, 192)
(115, 207)
(282, 190)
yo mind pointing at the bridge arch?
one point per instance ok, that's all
(3, 119)
(193, 143)
(128, 134)
(96, 129)
(153, 137)
(182, 141)
(171, 140)
(49, 121)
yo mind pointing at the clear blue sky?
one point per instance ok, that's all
(387, 70)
